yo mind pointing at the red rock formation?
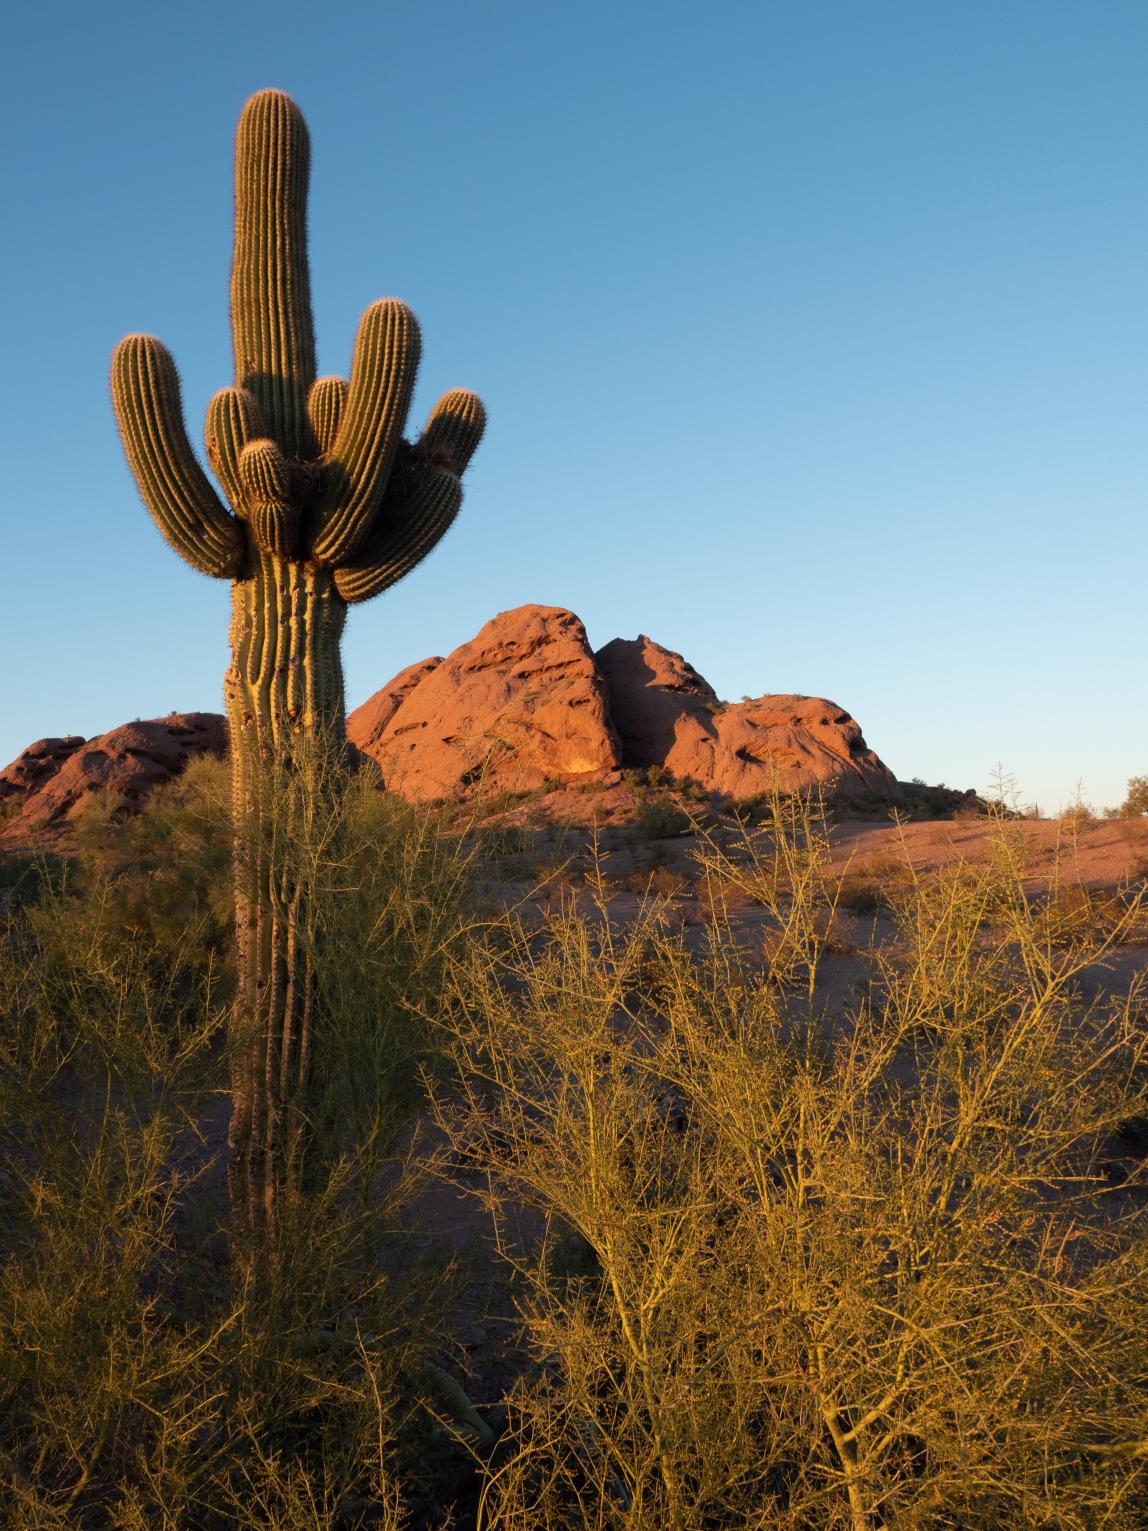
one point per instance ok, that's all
(668, 715)
(127, 761)
(35, 765)
(788, 742)
(523, 703)
(366, 725)
(520, 704)
(655, 695)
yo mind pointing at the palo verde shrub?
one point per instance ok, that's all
(143, 1382)
(883, 1267)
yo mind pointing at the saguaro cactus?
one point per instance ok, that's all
(329, 506)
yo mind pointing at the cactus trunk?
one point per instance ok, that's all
(284, 695)
(329, 505)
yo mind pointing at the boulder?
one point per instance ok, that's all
(789, 742)
(655, 696)
(128, 761)
(521, 704)
(366, 724)
(668, 715)
(33, 767)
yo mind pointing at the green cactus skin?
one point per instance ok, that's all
(145, 393)
(325, 406)
(422, 499)
(329, 506)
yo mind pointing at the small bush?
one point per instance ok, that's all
(167, 868)
(754, 810)
(1135, 804)
(661, 819)
(862, 894)
(1077, 815)
(659, 880)
(654, 783)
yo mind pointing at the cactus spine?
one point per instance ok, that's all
(329, 505)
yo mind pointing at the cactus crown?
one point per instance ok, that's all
(314, 471)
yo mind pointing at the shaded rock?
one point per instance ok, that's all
(667, 714)
(128, 761)
(35, 765)
(365, 726)
(654, 694)
(522, 703)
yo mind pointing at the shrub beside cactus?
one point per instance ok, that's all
(329, 505)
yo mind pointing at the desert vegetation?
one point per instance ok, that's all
(779, 1215)
(1135, 804)
(327, 505)
(370, 1164)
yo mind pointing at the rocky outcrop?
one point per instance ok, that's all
(35, 766)
(790, 743)
(521, 704)
(525, 702)
(367, 724)
(53, 779)
(656, 696)
(668, 715)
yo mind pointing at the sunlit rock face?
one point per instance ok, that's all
(521, 704)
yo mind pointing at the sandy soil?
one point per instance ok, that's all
(1105, 853)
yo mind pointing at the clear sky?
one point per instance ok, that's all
(813, 338)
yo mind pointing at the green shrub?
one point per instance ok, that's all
(652, 783)
(1135, 804)
(882, 1268)
(755, 810)
(167, 868)
(661, 819)
(143, 1381)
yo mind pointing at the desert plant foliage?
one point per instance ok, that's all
(144, 1380)
(875, 1267)
(769, 1250)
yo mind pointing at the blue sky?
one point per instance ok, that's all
(813, 339)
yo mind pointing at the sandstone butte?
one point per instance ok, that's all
(526, 702)
(668, 715)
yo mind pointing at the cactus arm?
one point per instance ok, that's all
(402, 537)
(175, 489)
(382, 378)
(266, 479)
(325, 406)
(453, 430)
(264, 472)
(271, 325)
(233, 420)
(421, 501)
